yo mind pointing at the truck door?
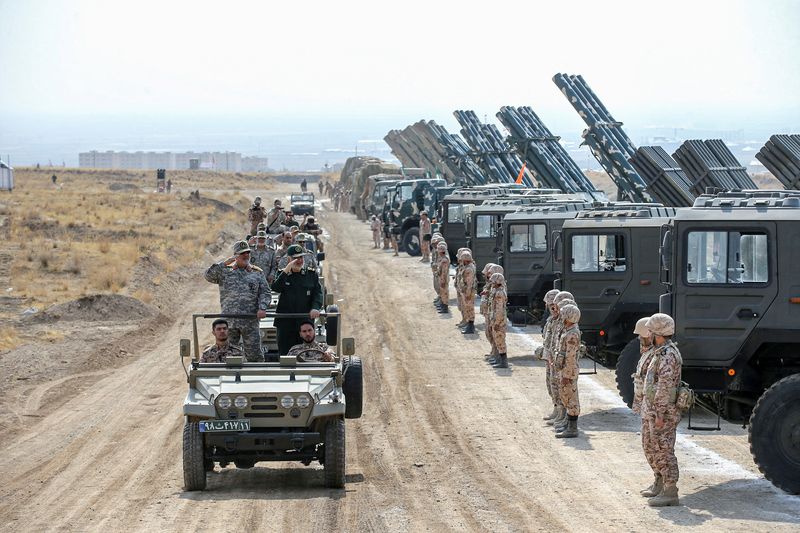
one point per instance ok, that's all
(596, 271)
(525, 256)
(727, 280)
(483, 238)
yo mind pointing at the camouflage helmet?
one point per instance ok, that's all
(486, 268)
(466, 255)
(548, 297)
(561, 295)
(441, 247)
(261, 226)
(641, 328)
(261, 235)
(565, 302)
(497, 279)
(241, 247)
(661, 324)
(495, 269)
(571, 313)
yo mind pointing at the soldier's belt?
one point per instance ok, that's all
(650, 393)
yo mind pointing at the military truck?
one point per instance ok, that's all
(610, 265)
(401, 210)
(302, 204)
(243, 413)
(375, 192)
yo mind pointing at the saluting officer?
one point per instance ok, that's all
(300, 292)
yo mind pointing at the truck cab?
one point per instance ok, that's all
(401, 212)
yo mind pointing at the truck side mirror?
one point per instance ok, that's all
(186, 348)
(558, 256)
(666, 255)
(348, 346)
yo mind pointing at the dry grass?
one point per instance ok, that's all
(9, 338)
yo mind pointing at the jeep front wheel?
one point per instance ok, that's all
(194, 465)
(334, 454)
(410, 243)
(775, 434)
(626, 366)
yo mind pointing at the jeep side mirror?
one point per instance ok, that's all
(186, 348)
(348, 346)
(328, 299)
(320, 256)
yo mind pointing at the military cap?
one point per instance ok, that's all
(497, 278)
(261, 226)
(495, 269)
(571, 313)
(565, 302)
(550, 295)
(240, 247)
(661, 324)
(466, 255)
(295, 250)
(486, 268)
(562, 295)
(257, 200)
(442, 246)
(641, 327)
(277, 201)
(261, 235)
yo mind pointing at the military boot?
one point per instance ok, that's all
(655, 488)
(559, 412)
(571, 431)
(561, 425)
(493, 357)
(461, 324)
(552, 415)
(469, 329)
(501, 361)
(668, 497)
(437, 301)
(444, 308)
(559, 420)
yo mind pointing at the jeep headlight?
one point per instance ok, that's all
(287, 402)
(224, 402)
(303, 401)
(240, 402)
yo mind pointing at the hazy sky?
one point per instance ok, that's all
(678, 63)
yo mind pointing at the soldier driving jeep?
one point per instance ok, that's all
(310, 350)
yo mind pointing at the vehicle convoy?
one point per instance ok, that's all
(610, 265)
(733, 287)
(375, 192)
(302, 204)
(242, 413)
(404, 202)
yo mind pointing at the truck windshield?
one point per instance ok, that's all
(527, 238)
(598, 253)
(484, 227)
(455, 212)
(726, 257)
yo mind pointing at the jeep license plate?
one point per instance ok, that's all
(217, 426)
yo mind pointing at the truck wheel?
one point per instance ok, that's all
(353, 388)
(774, 434)
(194, 465)
(626, 366)
(334, 454)
(331, 326)
(410, 242)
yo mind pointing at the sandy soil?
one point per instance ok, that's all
(445, 443)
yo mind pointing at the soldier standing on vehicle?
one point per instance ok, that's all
(468, 288)
(425, 237)
(443, 272)
(300, 292)
(256, 214)
(221, 349)
(304, 185)
(275, 217)
(661, 382)
(497, 318)
(264, 257)
(567, 362)
(243, 290)
(375, 226)
(547, 353)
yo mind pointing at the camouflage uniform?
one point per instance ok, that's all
(275, 218)
(425, 245)
(556, 327)
(567, 363)
(256, 215)
(497, 317)
(435, 265)
(457, 284)
(468, 288)
(218, 354)
(321, 351)
(547, 353)
(264, 258)
(375, 226)
(242, 292)
(443, 272)
(486, 300)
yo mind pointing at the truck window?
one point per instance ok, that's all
(455, 213)
(527, 238)
(405, 193)
(598, 253)
(484, 227)
(724, 257)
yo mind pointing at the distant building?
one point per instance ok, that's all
(224, 161)
(255, 164)
(6, 177)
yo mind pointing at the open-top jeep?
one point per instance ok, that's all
(302, 203)
(242, 413)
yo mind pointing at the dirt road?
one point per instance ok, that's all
(446, 443)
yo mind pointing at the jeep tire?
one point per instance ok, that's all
(194, 465)
(334, 454)
(626, 366)
(410, 243)
(774, 434)
(353, 387)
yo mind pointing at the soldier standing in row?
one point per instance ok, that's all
(443, 271)
(547, 353)
(497, 318)
(435, 240)
(567, 363)
(661, 382)
(256, 214)
(263, 257)
(375, 226)
(457, 286)
(243, 290)
(486, 300)
(555, 380)
(425, 237)
(221, 349)
(468, 289)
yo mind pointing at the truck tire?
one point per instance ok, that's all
(194, 465)
(410, 242)
(353, 387)
(332, 326)
(626, 366)
(774, 434)
(334, 454)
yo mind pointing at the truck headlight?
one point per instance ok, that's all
(287, 402)
(303, 402)
(240, 402)
(224, 402)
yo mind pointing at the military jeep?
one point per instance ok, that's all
(302, 204)
(243, 413)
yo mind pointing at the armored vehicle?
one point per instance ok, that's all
(404, 204)
(292, 410)
(610, 265)
(302, 204)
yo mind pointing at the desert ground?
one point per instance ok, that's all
(91, 425)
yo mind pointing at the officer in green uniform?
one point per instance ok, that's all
(300, 292)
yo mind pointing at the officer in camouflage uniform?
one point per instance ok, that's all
(661, 382)
(263, 257)
(567, 363)
(256, 214)
(443, 272)
(497, 317)
(221, 349)
(243, 290)
(469, 285)
(547, 353)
